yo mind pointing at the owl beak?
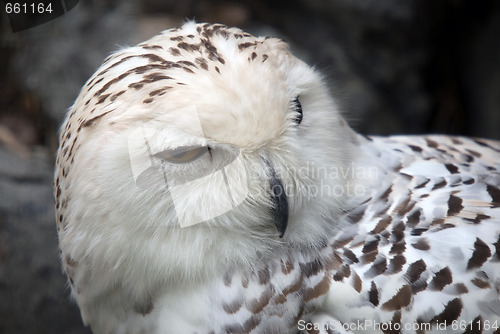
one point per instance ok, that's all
(279, 210)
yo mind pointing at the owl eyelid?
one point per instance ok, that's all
(298, 109)
(183, 154)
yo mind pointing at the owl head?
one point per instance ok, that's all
(200, 146)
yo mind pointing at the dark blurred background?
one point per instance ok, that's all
(395, 66)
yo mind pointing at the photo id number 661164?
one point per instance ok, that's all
(28, 8)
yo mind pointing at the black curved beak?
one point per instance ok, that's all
(279, 210)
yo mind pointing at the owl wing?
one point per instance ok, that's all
(421, 249)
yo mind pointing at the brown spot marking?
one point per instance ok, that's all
(311, 268)
(378, 267)
(90, 122)
(290, 289)
(414, 218)
(481, 253)
(122, 60)
(97, 82)
(461, 288)
(202, 63)
(450, 313)
(188, 47)
(245, 45)
(177, 38)
(286, 267)
(320, 289)
(357, 283)
(102, 98)
(478, 219)
(373, 294)
(264, 57)
(253, 56)
(148, 100)
(398, 231)
(482, 143)
(187, 63)
(474, 153)
(418, 286)
(114, 96)
(494, 194)
(441, 279)
(153, 77)
(247, 326)
(481, 282)
(415, 270)
(439, 221)
(343, 272)
(355, 216)
(333, 261)
(415, 148)
(160, 91)
(152, 47)
(421, 244)
(227, 278)
(264, 276)
(342, 241)
(382, 212)
(386, 193)
(136, 85)
(369, 257)
(217, 69)
(468, 157)
(350, 255)
(280, 299)
(451, 168)
(188, 70)
(423, 184)
(258, 304)
(382, 224)
(418, 231)
(152, 57)
(371, 246)
(144, 308)
(174, 52)
(405, 207)
(398, 248)
(232, 307)
(454, 205)
(396, 264)
(439, 185)
(431, 143)
(401, 299)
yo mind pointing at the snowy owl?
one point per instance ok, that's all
(207, 183)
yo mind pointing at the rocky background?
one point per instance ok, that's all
(396, 66)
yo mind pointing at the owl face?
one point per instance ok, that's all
(205, 128)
